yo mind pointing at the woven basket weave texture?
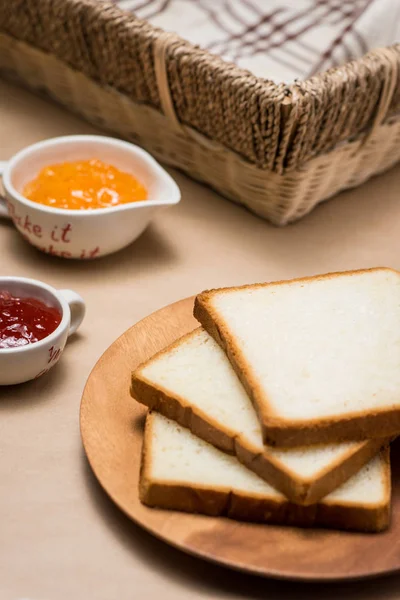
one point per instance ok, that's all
(277, 149)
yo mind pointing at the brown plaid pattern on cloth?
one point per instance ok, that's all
(277, 40)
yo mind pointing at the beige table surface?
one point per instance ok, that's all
(60, 536)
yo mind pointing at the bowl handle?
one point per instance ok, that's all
(76, 306)
(3, 203)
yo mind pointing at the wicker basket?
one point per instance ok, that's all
(279, 150)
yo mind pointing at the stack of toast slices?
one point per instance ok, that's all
(280, 408)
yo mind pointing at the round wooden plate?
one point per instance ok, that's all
(111, 427)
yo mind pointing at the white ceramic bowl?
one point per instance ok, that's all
(18, 365)
(84, 233)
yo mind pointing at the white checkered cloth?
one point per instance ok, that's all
(274, 39)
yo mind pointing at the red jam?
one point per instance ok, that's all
(25, 320)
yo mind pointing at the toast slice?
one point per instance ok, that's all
(319, 356)
(193, 383)
(182, 472)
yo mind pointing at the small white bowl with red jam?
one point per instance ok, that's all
(84, 196)
(35, 322)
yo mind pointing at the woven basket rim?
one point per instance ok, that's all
(296, 94)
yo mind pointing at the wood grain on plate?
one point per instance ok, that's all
(111, 427)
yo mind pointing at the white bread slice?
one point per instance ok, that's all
(182, 472)
(319, 356)
(193, 383)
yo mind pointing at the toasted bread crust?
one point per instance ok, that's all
(280, 432)
(263, 464)
(222, 502)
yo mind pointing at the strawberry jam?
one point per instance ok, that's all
(25, 320)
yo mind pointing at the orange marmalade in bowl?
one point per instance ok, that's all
(84, 185)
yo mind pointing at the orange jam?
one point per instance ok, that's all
(83, 185)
